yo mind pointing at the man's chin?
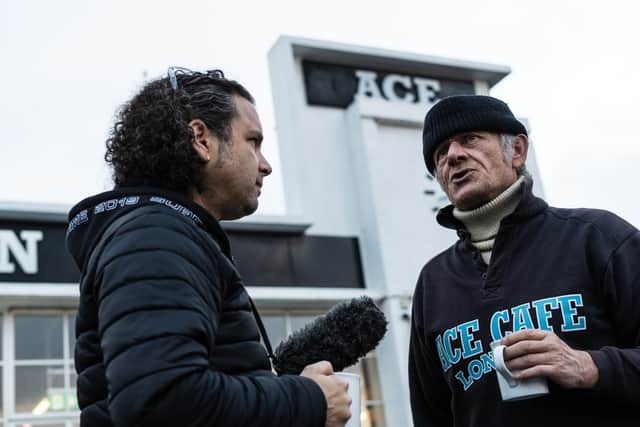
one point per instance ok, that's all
(251, 208)
(241, 213)
(467, 200)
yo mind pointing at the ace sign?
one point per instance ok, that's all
(333, 85)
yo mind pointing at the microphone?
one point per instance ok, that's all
(348, 331)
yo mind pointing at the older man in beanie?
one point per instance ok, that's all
(560, 288)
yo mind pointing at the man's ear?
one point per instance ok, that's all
(520, 150)
(203, 140)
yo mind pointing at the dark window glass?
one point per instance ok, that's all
(38, 337)
(72, 334)
(72, 397)
(40, 389)
(276, 329)
(300, 321)
(1, 409)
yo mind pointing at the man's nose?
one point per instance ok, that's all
(263, 166)
(455, 152)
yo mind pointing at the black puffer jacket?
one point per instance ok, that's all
(165, 332)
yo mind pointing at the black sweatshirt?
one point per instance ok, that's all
(573, 271)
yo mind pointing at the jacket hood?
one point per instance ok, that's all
(89, 219)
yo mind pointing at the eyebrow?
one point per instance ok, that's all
(469, 132)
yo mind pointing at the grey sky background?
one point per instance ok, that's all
(67, 66)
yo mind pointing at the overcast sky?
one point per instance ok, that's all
(67, 65)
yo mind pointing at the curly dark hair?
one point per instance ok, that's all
(151, 141)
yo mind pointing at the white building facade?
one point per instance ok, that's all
(360, 219)
(349, 121)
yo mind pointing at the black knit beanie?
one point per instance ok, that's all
(465, 113)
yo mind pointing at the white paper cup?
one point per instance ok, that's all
(354, 393)
(511, 388)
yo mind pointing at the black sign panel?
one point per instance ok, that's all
(274, 259)
(35, 252)
(335, 85)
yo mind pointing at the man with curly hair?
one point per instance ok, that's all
(166, 332)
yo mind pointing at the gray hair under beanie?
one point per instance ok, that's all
(465, 113)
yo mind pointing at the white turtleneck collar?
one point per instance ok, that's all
(483, 222)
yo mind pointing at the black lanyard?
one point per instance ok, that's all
(263, 334)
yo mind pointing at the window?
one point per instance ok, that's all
(37, 364)
(282, 324)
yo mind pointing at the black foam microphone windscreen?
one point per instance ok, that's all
(348, 331)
